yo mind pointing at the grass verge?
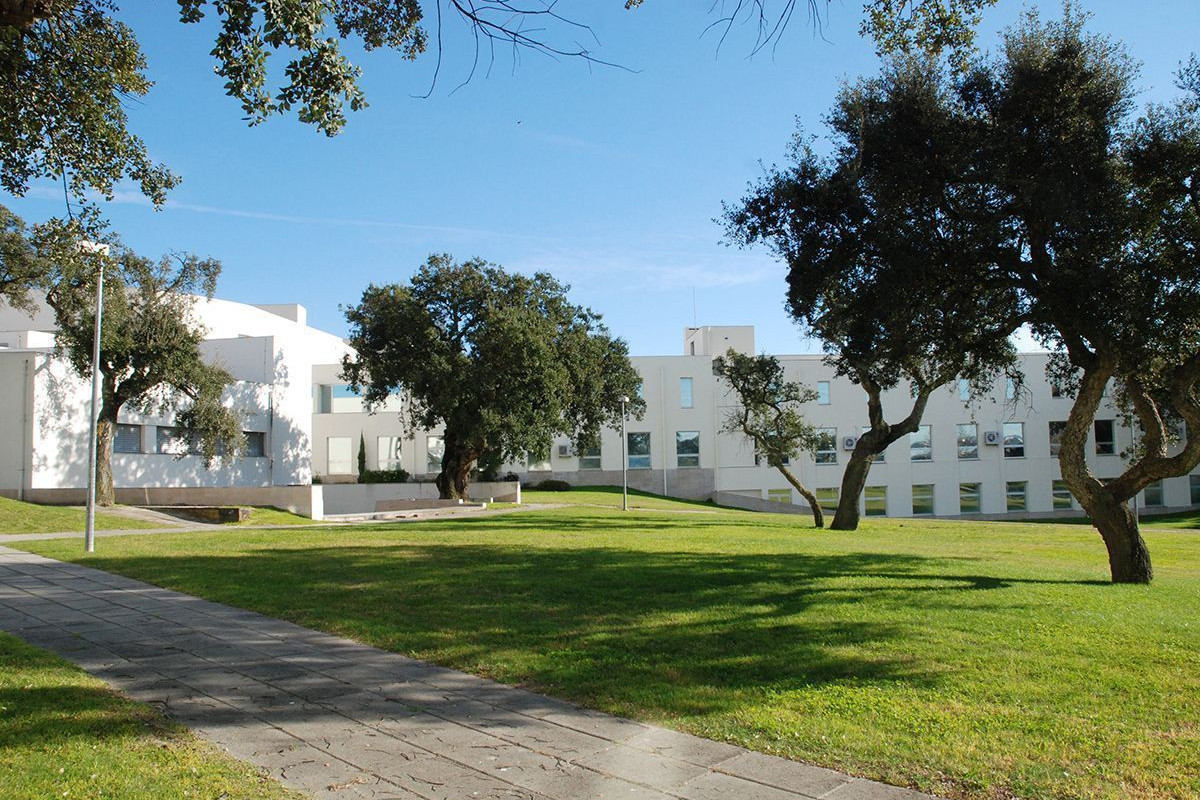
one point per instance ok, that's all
(65, 734)
(975, 660)
(20, 517)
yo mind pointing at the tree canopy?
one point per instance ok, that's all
(502, 361)
(150, 344)
(769, 413)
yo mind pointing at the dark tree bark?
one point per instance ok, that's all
(817, 512)
(106, 429)
(454, 480)
(878, 438)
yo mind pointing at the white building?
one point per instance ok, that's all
(994, 456)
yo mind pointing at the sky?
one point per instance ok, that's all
(610, 178)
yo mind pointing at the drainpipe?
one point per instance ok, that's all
(662, 421)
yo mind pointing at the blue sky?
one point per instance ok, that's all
(608, 178)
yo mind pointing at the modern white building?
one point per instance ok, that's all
(269, 350)
(992, 457)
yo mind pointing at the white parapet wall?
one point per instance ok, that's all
(361, 498)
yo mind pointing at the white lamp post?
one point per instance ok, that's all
(624, 459)
(89, 536)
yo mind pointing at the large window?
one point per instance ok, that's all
(175, 441)
(826, 446)
(687, 448)
(1014, 440)
(639, 450)
(1010, 389)
(1015, 496)
(964, 389)
(779, 495)
(875, 500)
(827, 499)
(538, 460)
(256, 444)
(387, 452)
(823, 393)
(1056, 432)
(920, 444)
(1060, 496)
(968, 498)
(1194, 485)
(1106, 440)
(435, 448)
(338, 459)
(685, 393)
(128, 439)
(1153, 494)
(968, 440)
(922, 499)
(590, 457)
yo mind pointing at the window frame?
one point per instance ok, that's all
(692, 459)
(1010, 451)
(914, 441)
(967, 452)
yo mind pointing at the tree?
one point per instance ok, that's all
(1102, 221)
(503, 361)
(22, 269)
(150, 347)
(70, 65)
(362, 456)
(769, 414)
(888, 247)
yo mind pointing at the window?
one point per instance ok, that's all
(1056, 432)
(964, 389)
(338, 458)
(779, 495)
(639, 450)
(823, 393)
(920, 444)
(387, 452)
(1010, 389)
(922, 499)
(685, 393)
(827, 499)
(640, 391)
(968, 498)
(1194, 484)
(876, 501)
(1014, 496)
(687, 448)
(590, 457)
(826, 446)
(1014, 440)
(968, 440)
(1106, 440)
(538, 460)
(128, 439)
(1060, 495)
(435, 448)
(175, 441)
(1153, 494)
(256, 444)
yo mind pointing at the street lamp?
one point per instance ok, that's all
(89, 535)
(624, 459)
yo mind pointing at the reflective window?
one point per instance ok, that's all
(639, 450)
(823, 393)
(1106, 440)
(1061, 495)
(920, 444)
(968, 440)
(779, 495)
(435, 448)
(590, 457)
(1014, 440)
(1014, 496)
(685, 393)
(875, 498)
(1056, 432)
(1153, 494)
(827, 498)
(826, 452)
(338, 458)
(687, 448)
(968, 498)
(128, 439)
(922, 498)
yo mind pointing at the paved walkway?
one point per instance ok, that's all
(337, 719)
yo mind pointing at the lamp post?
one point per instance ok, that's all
(89, 535)
(624, 459)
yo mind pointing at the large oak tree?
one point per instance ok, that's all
(502, 361)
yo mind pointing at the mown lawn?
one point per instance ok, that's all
(18, 517)
(975, 660)
(64, 734)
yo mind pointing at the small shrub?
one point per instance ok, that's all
(383, 476)
(551, 485)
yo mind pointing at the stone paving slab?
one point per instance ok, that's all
(340, 720)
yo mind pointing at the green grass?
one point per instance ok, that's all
(64, 734)
(19, 517)
(269, 515)
(976, 660)
(610, 497)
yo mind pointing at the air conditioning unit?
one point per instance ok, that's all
(564, 451)
(991, 438)
(848, 442)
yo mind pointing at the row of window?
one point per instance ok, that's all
(176, 441)
(969, 497)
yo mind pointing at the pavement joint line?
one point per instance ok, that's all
(239, 678)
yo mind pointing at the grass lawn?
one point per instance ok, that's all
(975, 660)
(19, 517)
(65, 734)
(610, 497)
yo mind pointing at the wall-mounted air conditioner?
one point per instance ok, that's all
(564, 451)
(991, 438)
(848, 442)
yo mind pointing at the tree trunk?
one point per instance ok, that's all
(454, 480)
(818, 514)
(105, 493)
(854, 480)
(1128, 557)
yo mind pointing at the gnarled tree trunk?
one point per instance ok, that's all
(106, 431)
(454, 480)
(817, 512)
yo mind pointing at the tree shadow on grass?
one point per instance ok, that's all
(682, 632)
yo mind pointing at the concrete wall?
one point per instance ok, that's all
(361, 498)
(303, 500)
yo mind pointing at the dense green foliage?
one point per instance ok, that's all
(66, 734)
(502, 362)
(768, 412)
(976, 660)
